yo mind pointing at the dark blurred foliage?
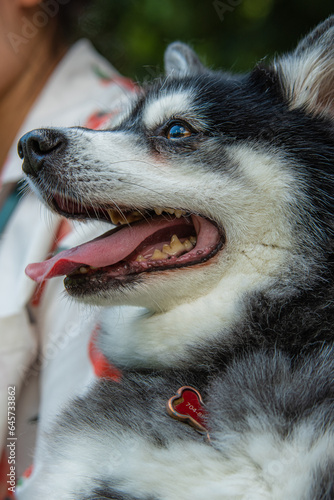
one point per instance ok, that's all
(229, 34)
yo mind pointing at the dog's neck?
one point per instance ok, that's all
(136, 338)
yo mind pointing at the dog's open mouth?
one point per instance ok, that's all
(143, 241)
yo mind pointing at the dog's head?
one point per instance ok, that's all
(220, 186)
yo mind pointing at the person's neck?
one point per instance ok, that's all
(16, 102)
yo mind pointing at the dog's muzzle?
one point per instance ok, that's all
(39, 147)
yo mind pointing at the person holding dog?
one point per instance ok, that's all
(43, 349)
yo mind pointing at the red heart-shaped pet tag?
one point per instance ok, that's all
(187, 406)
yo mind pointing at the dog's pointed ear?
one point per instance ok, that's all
(181, 60)
(307, 74)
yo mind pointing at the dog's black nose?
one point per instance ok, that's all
(39, 145)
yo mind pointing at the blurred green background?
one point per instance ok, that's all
(228, 34)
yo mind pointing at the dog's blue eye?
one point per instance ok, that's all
(178, 131)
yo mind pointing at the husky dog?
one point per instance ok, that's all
(221, 188)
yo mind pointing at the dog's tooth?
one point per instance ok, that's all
(177, 212)
(114, 216)
(174, 247)
(117, 218)
(158, 255)
(134, 216)
(140, 258)
(193, 240)
(167, 249)
(83, 270)
(187, 245)
(175, 242)
(122, 219)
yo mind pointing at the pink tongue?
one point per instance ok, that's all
(105, 250)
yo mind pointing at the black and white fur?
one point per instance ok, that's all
(251, 328)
